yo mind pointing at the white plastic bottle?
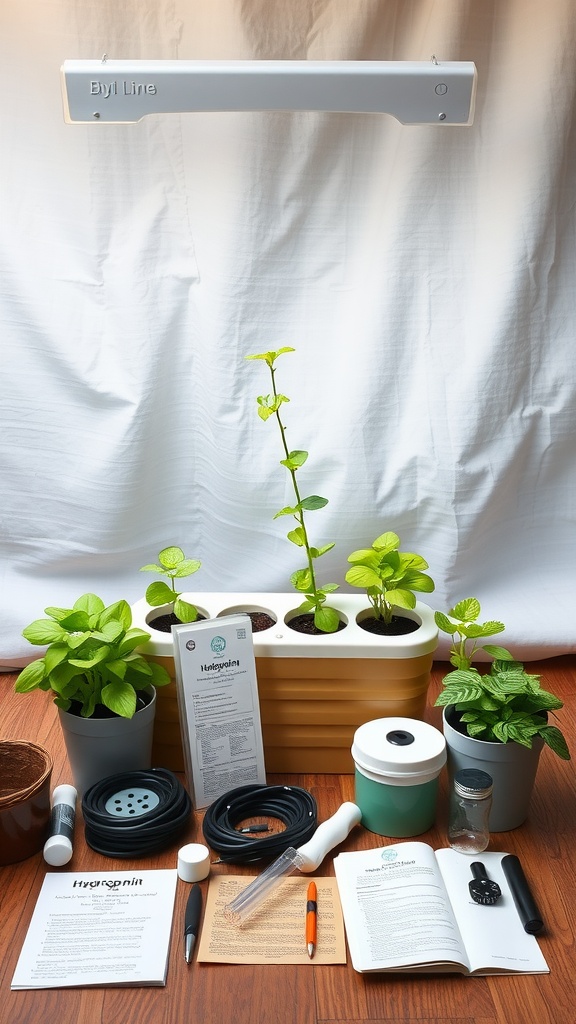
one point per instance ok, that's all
(58, 846)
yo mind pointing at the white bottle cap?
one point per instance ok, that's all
(64, 794)
(193, 862)
(57, 851)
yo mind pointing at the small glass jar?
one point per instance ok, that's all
(470, 803)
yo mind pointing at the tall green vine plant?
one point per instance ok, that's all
(326, 619)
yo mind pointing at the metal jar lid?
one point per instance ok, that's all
(473, 782)
(399, 747)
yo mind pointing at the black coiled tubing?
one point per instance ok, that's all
(145, 834)
(295, 807)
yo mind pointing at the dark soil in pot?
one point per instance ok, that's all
(399, 626)
(305, 624)
(164, 623)
(260, 621)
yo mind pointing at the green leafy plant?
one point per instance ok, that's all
(304, 581)
(173, 564)
(91, 658)
(505, 704)
(388, 576)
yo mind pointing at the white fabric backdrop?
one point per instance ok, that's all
(425, 277)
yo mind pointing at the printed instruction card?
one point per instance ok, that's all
(219, 707)
(99, 928)
(276, 932)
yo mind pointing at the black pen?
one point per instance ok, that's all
(192, 920)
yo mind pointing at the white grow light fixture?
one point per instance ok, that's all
(123, 92)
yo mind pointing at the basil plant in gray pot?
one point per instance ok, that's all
(497, 721)
(105, 690)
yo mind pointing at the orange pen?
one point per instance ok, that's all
(311, 919)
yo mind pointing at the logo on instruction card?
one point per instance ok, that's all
(389, 855)
(218, 645)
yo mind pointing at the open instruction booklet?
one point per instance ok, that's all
(408, 908)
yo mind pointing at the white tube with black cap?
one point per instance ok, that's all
(58, 846)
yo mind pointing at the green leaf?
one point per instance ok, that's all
(58, 613)
(133, 638)
(478, 629)
(120, 698)
(297, 537)
(43, 631)
(109, 632)
(269, 404)
(467, 610)
(419, 581)
(31, 676)
(159, 676)
(322, 551)
(137, 663)
(187, 568)
(326, 619)
(184, 611)
(329, 588)
(170, 557)
(75, 640)
(62, 702)
(365, 556)
(86, 663)
(76, 622)
(117, 668)
(512, 732)
(401, 598)
(498, 652)
(153, 567)
(55, 655)
(271, 357)
(444, 623)
(159, 593)
(386, 542)
(301, 580)
(460, 686)
(362, 576)
(555, 740)
(89, 603)
(62, 676)
(287, 511)
(314, 501)
(294, 460)
(120, 611)
(410, 562)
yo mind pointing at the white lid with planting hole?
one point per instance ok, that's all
(399, 747)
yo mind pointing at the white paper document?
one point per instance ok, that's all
(99, 928)
(407, 908)
(219, 706)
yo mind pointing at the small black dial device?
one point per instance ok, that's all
(483, 889)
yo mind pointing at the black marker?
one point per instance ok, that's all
(525, 905)
(192, 920)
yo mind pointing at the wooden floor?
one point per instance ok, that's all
(311, 994)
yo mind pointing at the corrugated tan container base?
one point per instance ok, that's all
(314, 691)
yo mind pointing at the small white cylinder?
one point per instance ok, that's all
(58, 846)
(193, 862)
